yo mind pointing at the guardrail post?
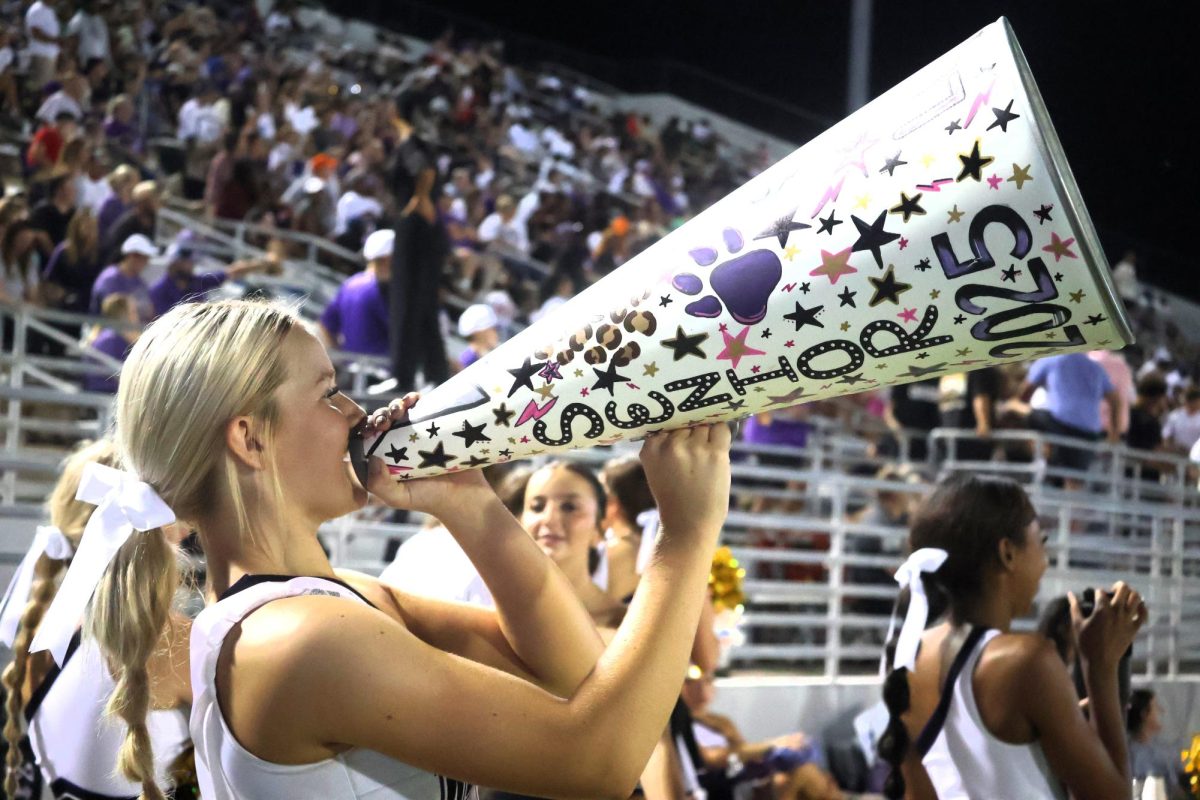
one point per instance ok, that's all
(16, 380)
(1178, 534)
(1154, 597)
(833, 613)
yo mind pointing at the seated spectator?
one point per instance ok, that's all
(788, 764)
(54, 213)
(1145, 422)
(69, 99)
(356, 320)
(74, 265)
(139, 219)
(114, 342)
(121, 182)
(200, 120)
(91, 183)
(1075, 385)
(125, 277)
(119, 129)
(181, 284)
(47, 143)
(1149, 758)
(479, 326)
(968, 402)
(20, 264)
(502, 231)
(1181, 431)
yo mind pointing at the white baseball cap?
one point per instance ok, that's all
(139, 244)
(476, 318)
(379, 244)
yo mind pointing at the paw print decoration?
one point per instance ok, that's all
(741, 285)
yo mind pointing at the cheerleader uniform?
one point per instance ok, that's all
(226, 770)
(74, 744)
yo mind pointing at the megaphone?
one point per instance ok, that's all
(937, 229)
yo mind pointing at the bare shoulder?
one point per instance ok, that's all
(1020, 652)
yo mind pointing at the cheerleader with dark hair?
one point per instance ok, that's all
(977, 711)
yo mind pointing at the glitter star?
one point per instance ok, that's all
(550, 372)
(1060, 247)
(736, 348)
(1020, 175)
(781, 228)
(834, 265)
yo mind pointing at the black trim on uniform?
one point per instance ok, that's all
(246, 581)
(933, 727)
(39, 694)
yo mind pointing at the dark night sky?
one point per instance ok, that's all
(1118, 82)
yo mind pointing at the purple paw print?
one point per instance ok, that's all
(743, 285)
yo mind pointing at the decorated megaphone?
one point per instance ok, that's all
(937, 229)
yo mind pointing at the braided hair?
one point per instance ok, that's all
(967, 516)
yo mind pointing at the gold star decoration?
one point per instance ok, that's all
(881, 366)
(1020, 175)
(845, 326)
(1049, 334)
(934, 294)
(791, 251)
(966, 351)
(863, 201)
(955, 214)
(578, 373)
(928, 159)
(1077, 297)
(545, 391)
(650, 369)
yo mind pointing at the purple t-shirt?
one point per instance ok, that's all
(113, 344)
(165, 294)
(1075, 385)
(468, 357)
(357, 317)
(787, 432)
(112, 281)
(110, 211)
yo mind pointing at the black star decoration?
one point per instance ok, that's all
(438, 457)
(664, 301)
(522, 375)
(476, 461)
(1003, 117)
(847, 298)
(805, 316)
(735, 405)
(850, 380)
(503, 415)
(432, 430)
(684, 345)
(782, 228)
(872, 237)
(828, 223)
(952, 127)
(790, 397)
(922, 356)
(766, 334)
(922, 265)
(888, 288)
(892, 163)
(959, 319)
(907, 207)
(1010, 274)
(1043, 214)
(608, 378)
(1094, 319)
(472, 433)
(973, 164)
(506, 453)
(921, 372)
(398, 454)
(805, 288)
(1058, 276)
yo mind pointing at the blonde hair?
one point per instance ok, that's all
(191, 372)
(70, 516)
(76, 250)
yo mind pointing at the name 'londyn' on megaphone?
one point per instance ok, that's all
(937, 229)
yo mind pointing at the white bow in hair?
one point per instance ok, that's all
(123, 504)
(47, 540)
(927, 559)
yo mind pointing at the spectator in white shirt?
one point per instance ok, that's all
(92, 32)
(200, 120)
(70, 99)
(503, 230)
(91, 184)
(44, 33)
(1182, 428)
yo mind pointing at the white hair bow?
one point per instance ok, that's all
(47, 540)
(123, 504)
(927, 559)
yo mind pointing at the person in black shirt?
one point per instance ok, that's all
(53, 214)
(975, 410)
(1145, 425)
(914, 408)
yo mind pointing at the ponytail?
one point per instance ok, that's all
(129, 615)
(41, 594)
(893, 745)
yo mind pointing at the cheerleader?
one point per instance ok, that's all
(311, 683)
(55, 731)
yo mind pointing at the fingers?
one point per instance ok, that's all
(1076, 612)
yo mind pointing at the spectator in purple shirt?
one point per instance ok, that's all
(113, 342)
(356, 320)
(182, 284)
(74, 266)
(480, 327)
(121, 181)
(125, 277)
